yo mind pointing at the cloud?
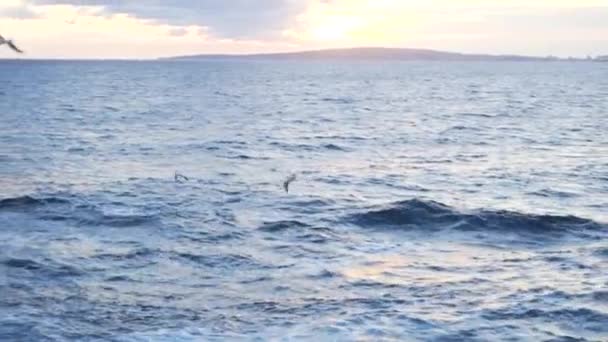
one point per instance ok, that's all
(178, 32)
(60, 31)
(243, 19)
(15, 9)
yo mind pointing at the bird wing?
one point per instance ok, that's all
(12, 46)
(2, 40)
(180, 178)
(288, 181)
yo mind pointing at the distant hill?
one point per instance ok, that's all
(398, 54)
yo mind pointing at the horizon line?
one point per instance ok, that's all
(587, 57)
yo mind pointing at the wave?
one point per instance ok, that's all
(48, 267)
(338, 100)
(309, 147)
(300, 231)
(130, 255)
(123, 220)
(592, 319)
(334, 147)
(76, 210)
(602, 252)
(418, 214)
(412, 214)
(221, 261)
(24, 203)
(273, 227)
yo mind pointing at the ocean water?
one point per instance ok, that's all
(433, 201)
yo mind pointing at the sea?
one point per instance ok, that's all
(433, 201)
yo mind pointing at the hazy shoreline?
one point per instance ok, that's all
(383, 54)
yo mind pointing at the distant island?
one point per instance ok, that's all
(365, 53)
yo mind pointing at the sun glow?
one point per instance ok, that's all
(413, 22)
(335, 28)
(351, 22)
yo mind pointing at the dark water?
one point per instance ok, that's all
(434, 201)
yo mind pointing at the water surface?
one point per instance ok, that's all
(434, 201)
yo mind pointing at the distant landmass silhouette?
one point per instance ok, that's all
(367, 53)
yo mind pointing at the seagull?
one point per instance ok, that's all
(288, 181)
(179, 178)
(10, 44)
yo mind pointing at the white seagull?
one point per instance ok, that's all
(10, 44)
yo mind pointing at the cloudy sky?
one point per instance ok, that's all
(153, 28)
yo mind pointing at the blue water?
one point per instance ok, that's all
(433, 201)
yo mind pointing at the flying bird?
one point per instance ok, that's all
(288, 181)
(10, 44)
(179, 178)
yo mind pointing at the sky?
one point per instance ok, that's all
(143, 29)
